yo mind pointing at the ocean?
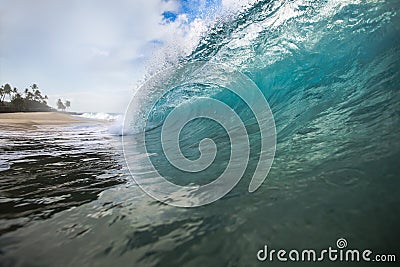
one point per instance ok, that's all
(329, 71)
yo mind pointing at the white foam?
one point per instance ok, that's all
(117, 127)
(100, 116)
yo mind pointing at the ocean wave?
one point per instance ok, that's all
(101, 116)
(328, 69)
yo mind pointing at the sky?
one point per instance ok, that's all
(95, 52)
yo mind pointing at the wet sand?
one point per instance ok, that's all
(10, 121)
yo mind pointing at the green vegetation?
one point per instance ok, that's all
(63, 106)
(30, 100)
(60, 105)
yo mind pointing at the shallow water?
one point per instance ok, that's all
(90, 214)
(51, 169)
(67, 200)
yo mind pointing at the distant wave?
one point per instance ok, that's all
(101, 116)
(115, 119)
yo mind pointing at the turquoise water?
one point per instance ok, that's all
(330, 73)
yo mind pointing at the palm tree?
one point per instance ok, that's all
(2, 95)
(27, 94)
(37, 95)
(17, 100)
(14, 92)
(7, 89)
(4, 91)
(60, 105)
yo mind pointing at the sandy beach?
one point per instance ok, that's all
(9, 121)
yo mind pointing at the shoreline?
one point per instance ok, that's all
(29, 120)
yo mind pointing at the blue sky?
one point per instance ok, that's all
(93, 52)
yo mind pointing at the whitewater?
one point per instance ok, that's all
(329, 71)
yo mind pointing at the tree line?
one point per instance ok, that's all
(31, 99)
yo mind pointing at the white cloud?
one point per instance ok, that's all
(93, 52)
(68, 47)
(100, 52)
